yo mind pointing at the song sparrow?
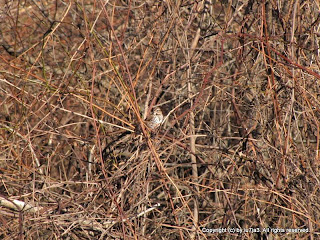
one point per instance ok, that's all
(156, 119)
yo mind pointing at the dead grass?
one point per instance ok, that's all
(239, 150)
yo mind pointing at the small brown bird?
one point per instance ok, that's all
(156, 119)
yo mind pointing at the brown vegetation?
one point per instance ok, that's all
(237, 82)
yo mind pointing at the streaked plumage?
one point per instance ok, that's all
(156, 119)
